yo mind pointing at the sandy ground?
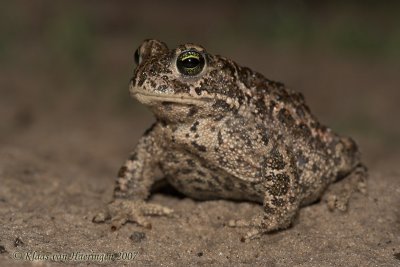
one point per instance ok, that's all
(48, 200)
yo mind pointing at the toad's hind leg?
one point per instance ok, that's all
(339, 193)
(281, 204)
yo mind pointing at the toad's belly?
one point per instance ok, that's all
(200, 180)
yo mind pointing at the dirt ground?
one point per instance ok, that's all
(66, 127)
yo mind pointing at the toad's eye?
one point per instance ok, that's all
(137, 57)
(190, 63)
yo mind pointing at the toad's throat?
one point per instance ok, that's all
(144, 96)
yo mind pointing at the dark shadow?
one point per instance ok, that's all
(163, 187)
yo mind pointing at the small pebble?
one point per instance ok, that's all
(137, 236)
(397, 256)
(18, 242)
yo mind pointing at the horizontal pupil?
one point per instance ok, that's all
(191, 62)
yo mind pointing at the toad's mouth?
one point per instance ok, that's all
(148, 98)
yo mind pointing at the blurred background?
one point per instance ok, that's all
(65, 67)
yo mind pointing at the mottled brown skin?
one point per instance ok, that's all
(228, 132)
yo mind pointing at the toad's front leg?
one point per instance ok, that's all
(281, 203)
(133, 186)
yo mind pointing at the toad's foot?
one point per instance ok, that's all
(121, 211)
(339, 194)
(256, 225)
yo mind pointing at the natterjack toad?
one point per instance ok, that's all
(226, 131)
